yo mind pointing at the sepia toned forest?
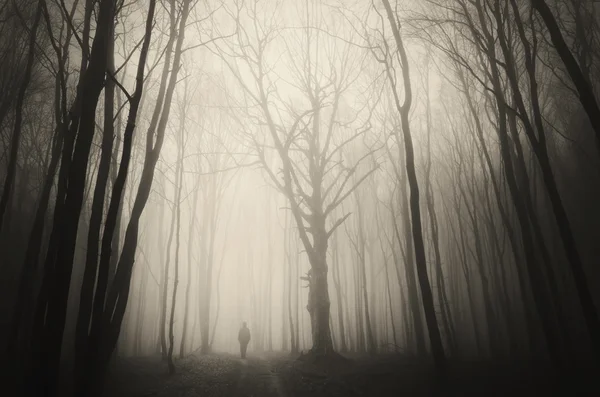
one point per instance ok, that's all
(396, 196)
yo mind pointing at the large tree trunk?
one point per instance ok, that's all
(318, 299)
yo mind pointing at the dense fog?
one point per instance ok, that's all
(354, 180)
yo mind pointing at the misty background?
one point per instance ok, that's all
(172, 168)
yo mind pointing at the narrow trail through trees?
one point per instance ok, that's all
(199, 375)
(258, 377)
(280, 375)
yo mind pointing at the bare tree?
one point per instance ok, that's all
(17, 125)
(421, 265)
(312, 180)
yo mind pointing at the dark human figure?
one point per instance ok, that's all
(244, 339)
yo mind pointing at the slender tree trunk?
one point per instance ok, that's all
(586, 97)
(11, 169)
(161, 260)
(363, 274)
(286, 287)
(139, 324)
(189, 272)
(496, 245)
(460, 241)
(359, 323)
(97, 357)
(291, 281)
(515, 246)
(389, 297)
(209, 241)
(165, 287)
(338, 289)
(541, 151)
(59, 262)
(409, 268)
(116, 302)
(27, 281)
(538, 288)
(430, 200)
(177, 215)
(435, 338)
(93, 241)
(297, 300)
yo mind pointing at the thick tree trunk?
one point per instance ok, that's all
(318, 308)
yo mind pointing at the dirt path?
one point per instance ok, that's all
(226, 375)
(258, 377)
(197, 376)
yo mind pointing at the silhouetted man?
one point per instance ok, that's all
(244, 339)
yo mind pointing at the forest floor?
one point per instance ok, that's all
(277, 375)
